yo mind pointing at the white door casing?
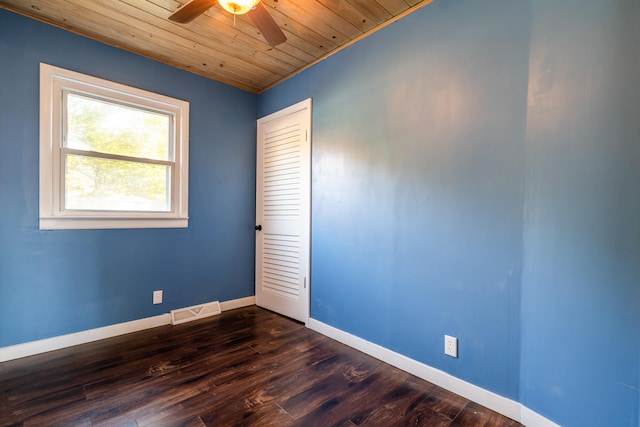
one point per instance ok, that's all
(283, 190)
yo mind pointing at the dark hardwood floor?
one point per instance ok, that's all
(245, 367)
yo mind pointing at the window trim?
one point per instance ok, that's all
(53, 82)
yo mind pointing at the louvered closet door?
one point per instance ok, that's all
(282, 211)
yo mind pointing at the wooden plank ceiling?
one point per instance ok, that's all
(215, 46)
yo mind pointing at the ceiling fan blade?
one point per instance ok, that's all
(266, 25)
(191, 10)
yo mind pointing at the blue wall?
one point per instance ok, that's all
(476, 173)
(417, 193)
(58, 282)
(581, 283)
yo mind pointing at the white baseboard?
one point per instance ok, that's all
(533, 419)
(55, 343)
(493, 401)
(237, 303)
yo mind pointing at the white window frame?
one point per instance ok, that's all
(53, 82)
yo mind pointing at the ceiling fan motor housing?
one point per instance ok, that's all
(238, 7)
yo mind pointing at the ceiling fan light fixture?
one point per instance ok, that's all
(238, 7)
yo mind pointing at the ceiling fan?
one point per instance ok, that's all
(254, 8)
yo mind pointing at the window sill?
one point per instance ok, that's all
(110, 223)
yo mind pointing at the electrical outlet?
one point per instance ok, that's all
(157, 297)
(451, 346)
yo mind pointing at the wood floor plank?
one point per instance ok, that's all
(445, 403)
(245, 367)
(477, 415)
(387, 397)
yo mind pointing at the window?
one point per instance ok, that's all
(111, 156)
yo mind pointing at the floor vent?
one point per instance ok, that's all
(188, 314)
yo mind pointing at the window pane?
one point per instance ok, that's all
(106, 127)
(113, 185)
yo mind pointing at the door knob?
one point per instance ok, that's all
(258, 227)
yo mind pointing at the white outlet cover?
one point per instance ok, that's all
(157, 297)
(451, 346)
